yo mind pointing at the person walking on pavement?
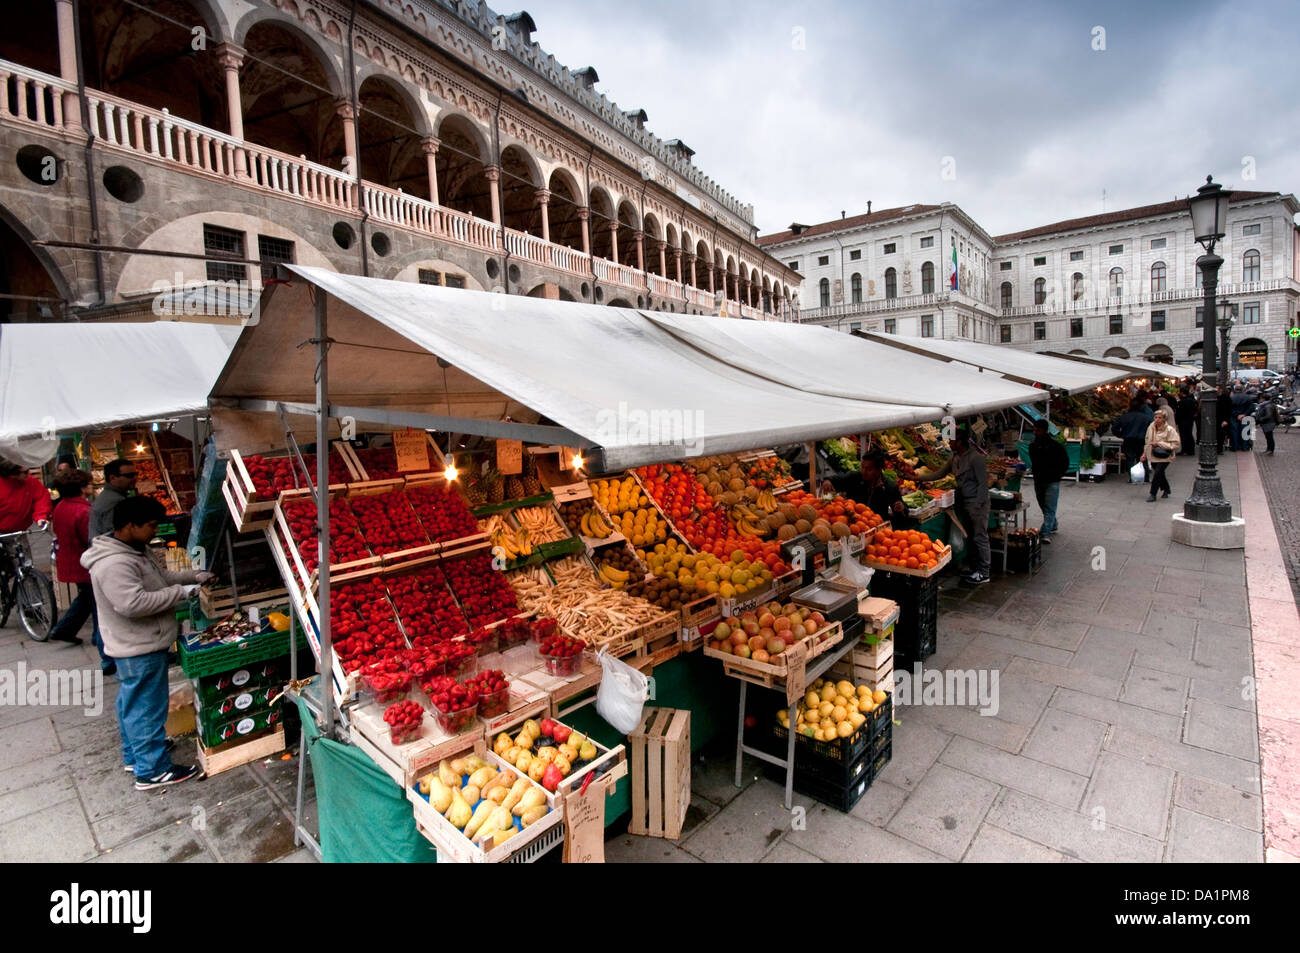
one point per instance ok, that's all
(1131, 427)
(1266, 420)
(119, 475)
(1158, 451)
(1185, 416)
(968, 466)
(1223, 414)
(71, 539)
(137, 613)
(1049, 461)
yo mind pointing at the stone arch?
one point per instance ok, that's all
(29, 270)
(629, 224)
(461, 160)
(602, 222)
(1116, 352)
(389, 137)
(521, 177)
(563, 209)
(409, 269)
(268, 16)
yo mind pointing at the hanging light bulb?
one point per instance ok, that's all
(577, 460)
(450, 473)
(139, 448)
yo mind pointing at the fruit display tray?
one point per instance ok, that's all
(454, 847)
(406, 763)
(771, 674)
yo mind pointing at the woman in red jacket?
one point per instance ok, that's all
(72, 538)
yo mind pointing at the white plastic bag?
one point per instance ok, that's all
(853, 571)
(622, 694)
(1138, 474)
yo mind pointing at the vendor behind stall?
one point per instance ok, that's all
(870, 488)
(968, 466)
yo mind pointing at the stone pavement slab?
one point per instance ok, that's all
(58, 833)
(1130, 794)
(1020, 773)
(177, 843)
(944, 811)
(1197, 839)
(993, 845)
(840, 838)
(1070, 833)
(1066, 740)
(1158, 691)
(1119, 713)
(1219, 801)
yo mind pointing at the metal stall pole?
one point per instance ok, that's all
(323, 513)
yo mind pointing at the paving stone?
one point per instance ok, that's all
(303, 855)
(993, 845)
(32, 772)
(969, 723)
(28, 741)
(1160, 724)
(1125, 608)
(1014, 771)
(251, 828)
(786, 853)
(177, 843)
(713, 775)
(1174, 662)
(1131, 794)
(1065, 677)
(916, 746)
(1185, 561)
(1066, 740)
(1019, 648)
(1219, 728)
(632, 849)
(944, 811)
(1135, 578)
(1104, 652)
(840, 838)
(1197, 839)
(880, 803)
(1021, 701)
(744, 832)
(1085, 594)
(1177, 586)
(1226, 651)
(58, 833)
(1057, 634)
(1025, 611)
(1184, 758)
(42, 794)
(1072, 834)
(1220, 802)
(1165, 630)
(980, 654)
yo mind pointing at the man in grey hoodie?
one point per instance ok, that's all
(137, 620)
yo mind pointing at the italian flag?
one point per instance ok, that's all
(952, 268)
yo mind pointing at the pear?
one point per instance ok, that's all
(440, 796)
(500, 837)
(481, 814)
(426, 785)
(525, 761)
(459, 812)
(575, 740)
(471, 794)
(533, 814)
(537, 769)
(511, 754)
(460, 767)
(482, 776)
(569, 752)
(516, 794)
(448, 774)
(562, 763)
(502, 743)
(474, 762)
(498, 795)
(498, 820)
(587, 751)
(533, 797)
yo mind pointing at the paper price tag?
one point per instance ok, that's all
(412, 449)
(584, 826)
(796, 657)
(510, 457)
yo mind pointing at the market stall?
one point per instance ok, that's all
(459, 630)
(1139, 369)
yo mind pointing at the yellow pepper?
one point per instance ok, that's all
(279, 621)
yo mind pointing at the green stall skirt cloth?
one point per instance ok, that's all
(364, 815)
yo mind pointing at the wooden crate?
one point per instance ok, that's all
(232, 754)
(406, 763)
(771, 674)
(659, 633)
(526, 701)
(862, 672)
(661, 772)
(454, 847)
(219, 602)
(874, 656)
(699, 618)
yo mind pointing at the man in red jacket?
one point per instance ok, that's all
(23, 499)
(72, 538)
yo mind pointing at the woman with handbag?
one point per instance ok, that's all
(1162, 443)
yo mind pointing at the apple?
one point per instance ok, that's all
(743, 651)
(775, 646)
(750, 626)
(762, 656)
(757, 642)
(739, 638)
(810, 627)
(781, 623)
(723, 630)
(766, 620)
(766, 633)
(818, 618)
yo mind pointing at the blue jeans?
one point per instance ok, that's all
(142, 713)
(81, 609)
(1048, 494)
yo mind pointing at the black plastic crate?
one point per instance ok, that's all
(844, 750)
(916, 634)
(842, 797)
(880, 759)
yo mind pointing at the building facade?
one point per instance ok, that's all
(1120, 284)
(186, 142)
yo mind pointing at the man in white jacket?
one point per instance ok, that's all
(137, 620)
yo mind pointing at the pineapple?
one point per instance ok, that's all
(495, 486)
(514, 488)
(532, 485)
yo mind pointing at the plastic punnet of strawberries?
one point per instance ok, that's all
(453, 703)
(493, 692)
(387, 522)
(561, 654)
(484, 594)
(404, 719)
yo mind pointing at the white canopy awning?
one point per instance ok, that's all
(56, 378)
(611, 378)
(1135, 368)
(1024, 366)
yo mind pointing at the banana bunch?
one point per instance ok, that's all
(540, 524)
(749, 521)
(594, 525)
(513, 543)
(767, 501)
(617, 578)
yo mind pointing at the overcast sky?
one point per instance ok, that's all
(1037, 123)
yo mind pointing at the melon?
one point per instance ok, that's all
(808, 512)
(822, 532)
(786, 532)
(776, 520)
(840, 529)
(802, 526)
(736, 484)
(788, 511)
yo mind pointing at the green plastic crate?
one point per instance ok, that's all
(196, 661)
(232, 729)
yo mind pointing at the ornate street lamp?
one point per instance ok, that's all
(1209, 208)
(1226, 322)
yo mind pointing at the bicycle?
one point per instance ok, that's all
(25, 588)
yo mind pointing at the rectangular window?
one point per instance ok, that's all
(430, 277)
(1157, 243)
(793, 265)
(1250, 313)
(1250, 230)
(891, 325)
(823, 259)
(965, 326)
(855, 326)
(272, 252)
(1076, 256)
(226, 242)
(1005, 266)
(1005, 334)
(1200, 317)
(927, 241)
(1076, 327)
(1157, 320)
(1117, 324)
(927, 325)
(454, 281)
(1117, 249)
(855, 255)
(1040, 330)
(1040, 260)
(890, 248)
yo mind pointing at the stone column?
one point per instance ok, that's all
(429, 146)
(677, 268)
(639, 237)
(67, 61)
(663, 261)
(231, 58)
(712, 270)
(690, 259)
(343, 108)
(543, 202)
(584, 216)
(613, 242)
(493, 175)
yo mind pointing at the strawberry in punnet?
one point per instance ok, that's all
(484, 594)
(387, 522)
(493, 692)
(454, 703)
(404, 720)
(561, 654)
(426, 607)
(442, 512)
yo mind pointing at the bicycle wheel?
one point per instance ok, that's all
(37, 610)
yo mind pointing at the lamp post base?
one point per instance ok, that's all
(1204, 535)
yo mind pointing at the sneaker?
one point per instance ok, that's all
(976, 578)
(129, 768)
(1044, 539)
(177, 774)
